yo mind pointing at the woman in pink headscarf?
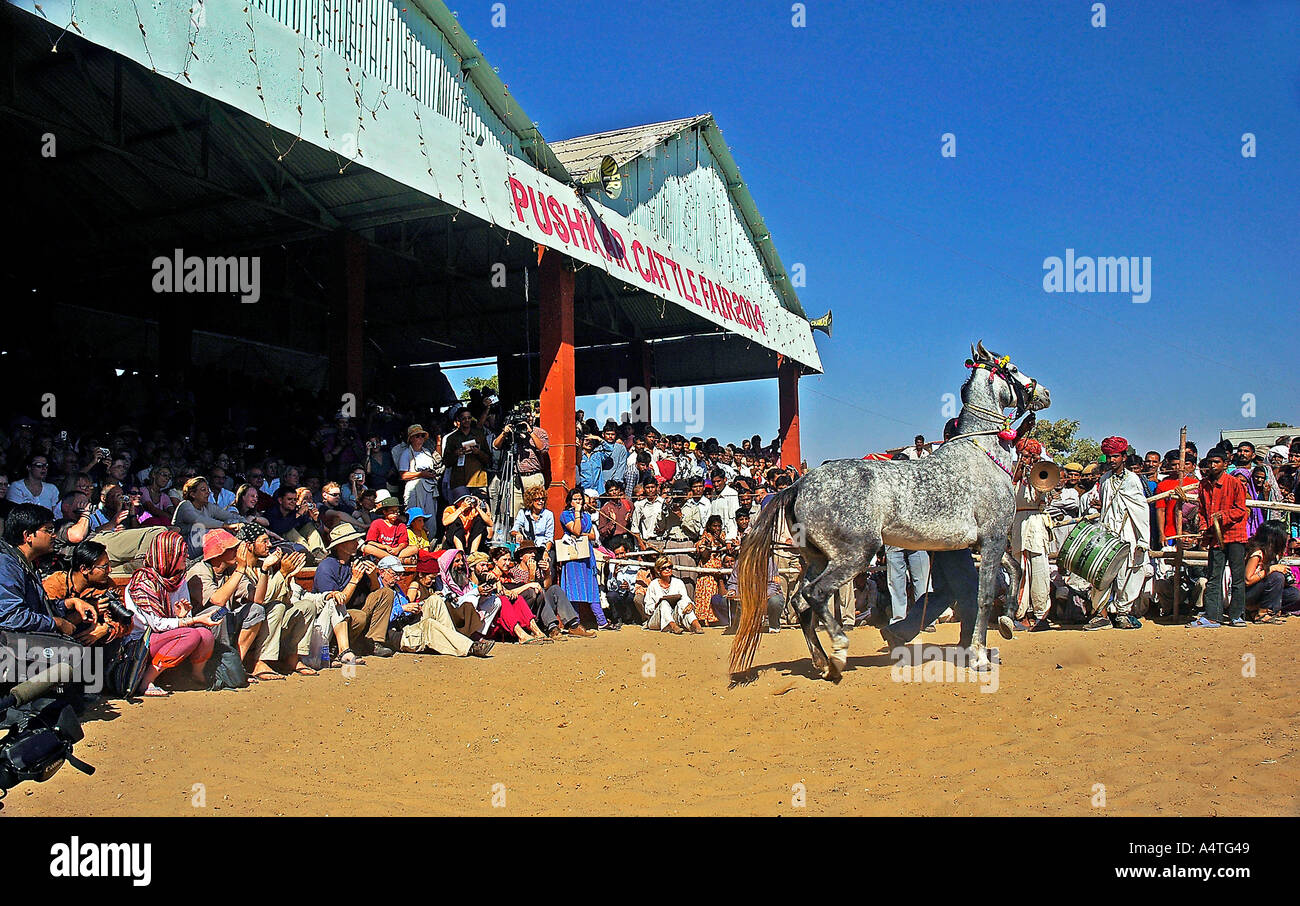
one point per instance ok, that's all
(160, 600)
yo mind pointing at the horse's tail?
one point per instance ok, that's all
(752, 575)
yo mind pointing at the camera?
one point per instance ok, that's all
(117, 611)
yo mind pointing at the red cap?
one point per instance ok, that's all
(217, 542)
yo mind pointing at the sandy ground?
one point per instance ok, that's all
(639, 723)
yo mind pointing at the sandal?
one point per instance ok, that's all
(304, 670)
(266, 676)
(155, 692)
(1203, 623)
(343, 659)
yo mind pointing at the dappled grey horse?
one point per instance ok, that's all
(840, 513)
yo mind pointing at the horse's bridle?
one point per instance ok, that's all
(1003, 368)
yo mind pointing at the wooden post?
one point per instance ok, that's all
(1178, 581)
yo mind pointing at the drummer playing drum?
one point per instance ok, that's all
(1124, 513)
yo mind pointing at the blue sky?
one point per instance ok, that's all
(1124, 140)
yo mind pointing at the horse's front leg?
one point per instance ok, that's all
(808, 623)
(994, 546)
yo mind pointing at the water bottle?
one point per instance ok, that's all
(325, 655)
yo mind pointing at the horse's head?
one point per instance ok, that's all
(1009, 385)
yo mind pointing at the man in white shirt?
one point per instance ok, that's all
(1124, 513)
(918, 449)
(725, 502)
(646, 513)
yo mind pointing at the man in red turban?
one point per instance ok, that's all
(1114, 446)
(1124, 512)
(1030, 542)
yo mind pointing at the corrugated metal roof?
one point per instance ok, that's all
(582, 154)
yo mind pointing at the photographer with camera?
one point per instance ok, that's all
(528, 444)
(87, 579)
(24, 605)
(116, 511)
(466, 524)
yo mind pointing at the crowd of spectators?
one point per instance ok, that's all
(206, 555)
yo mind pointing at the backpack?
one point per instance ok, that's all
(229, 671)
(123, 673)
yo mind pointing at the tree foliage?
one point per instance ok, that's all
(487, 385)
(1058, 437)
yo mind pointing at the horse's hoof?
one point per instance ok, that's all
(1006, 627)
(833, 672)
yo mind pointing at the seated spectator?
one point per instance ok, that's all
(415, 521)
(246, 505)
(368, 608)
(34, 488)
(296, 518)
(534, 524)
(514, 617)
(160, 600)
(157, 501)
(1269, 594)
(456, 583)
(425, 625)
(621, 585)
(520, 576)
(74, 526)
(388, 535)
(367, 510)
(233, 575)
(466, 523)
(87, 579)
(464, 615)
(196, 513)
(223, 494)
(667, 603)
(285, 634)
(116, 511)
(5, 503)
(24, 606)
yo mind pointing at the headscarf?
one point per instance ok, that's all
(445, 561)
(1113, 446)
(152, 585)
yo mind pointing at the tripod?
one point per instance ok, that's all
(502, 516)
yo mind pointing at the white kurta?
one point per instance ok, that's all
(1124, 512)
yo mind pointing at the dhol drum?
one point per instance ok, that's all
(1093, 554)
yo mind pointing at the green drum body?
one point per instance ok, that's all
(1093, 554)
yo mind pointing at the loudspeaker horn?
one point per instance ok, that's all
(1044, 476)
(823, 324)
(605, 177)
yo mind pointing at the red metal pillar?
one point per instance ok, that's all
(354, 249)
(558, 389)
(787, 377)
